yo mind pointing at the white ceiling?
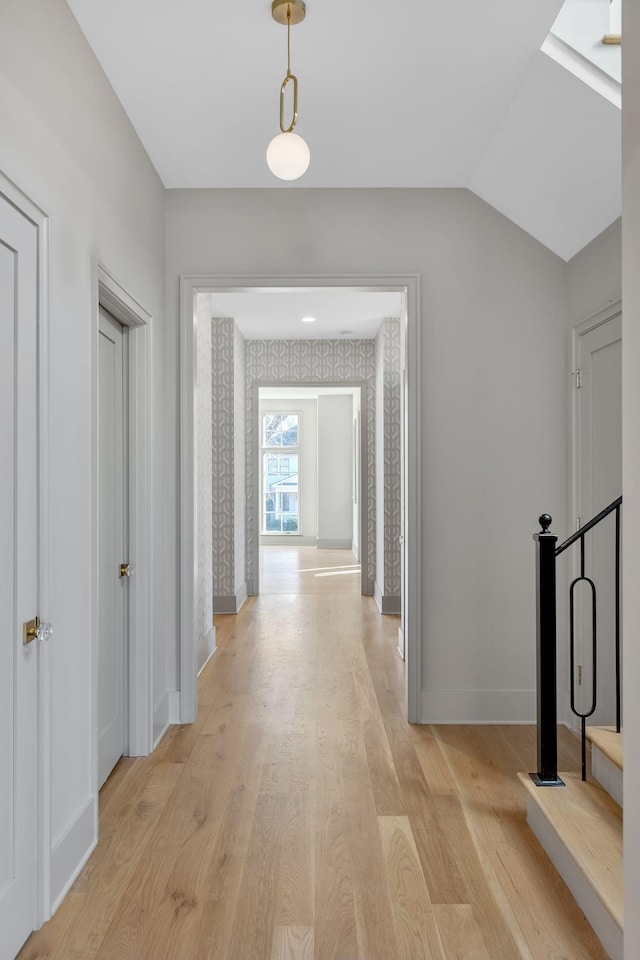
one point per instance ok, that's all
(411, 94)
(277, 315)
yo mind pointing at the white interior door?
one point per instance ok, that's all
(112, 544)
(599, 483)
(18, 577)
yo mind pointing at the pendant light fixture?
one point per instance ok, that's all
(288, 155)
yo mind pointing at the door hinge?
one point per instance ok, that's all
(578, 375)
(579, 676)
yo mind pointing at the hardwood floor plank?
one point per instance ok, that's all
(416, 929)
(460, 932)
(254, 922)
(292, 943)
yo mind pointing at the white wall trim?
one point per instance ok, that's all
(109, 294)
(40, 220)
(174, 706)
(211, 650)
(607, 774)
(206, 649)
(161, 717)
(603, 315)
(387, 603)
(190, 286)
(72, 850)
(478, 706)
(334, 544)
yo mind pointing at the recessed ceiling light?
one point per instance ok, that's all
(345, 333)
(308, 320)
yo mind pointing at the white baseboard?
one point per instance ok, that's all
(478, 706)
(598, 916)
(206, 647)
(72, 850)
(241, 596)
(385, 602)
(334, 544)
(207, 651)
(286, 540)
(401, 647)
(161, 718)
(232, 603)
(174, 707)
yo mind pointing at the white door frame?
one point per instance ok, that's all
(110, 295)
(190, 286)
(32, 212)
(579, 329)
(363, 472)
(610, 312)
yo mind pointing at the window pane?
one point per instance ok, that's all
(271, 523)
(280, 430)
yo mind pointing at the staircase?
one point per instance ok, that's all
(578, 819)
(580, 827)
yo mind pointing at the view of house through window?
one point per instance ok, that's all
(280, 477)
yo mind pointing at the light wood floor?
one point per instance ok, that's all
(302, 818)
(296, 570)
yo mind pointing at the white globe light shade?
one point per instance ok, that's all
(288, 156)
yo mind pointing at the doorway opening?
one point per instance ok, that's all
(310, 489)
(272, 357)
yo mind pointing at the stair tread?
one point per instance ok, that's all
(608, 742)
(589, 825)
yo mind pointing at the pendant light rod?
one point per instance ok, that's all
(288, 155)
(288, 12)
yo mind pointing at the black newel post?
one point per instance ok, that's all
(547, 772)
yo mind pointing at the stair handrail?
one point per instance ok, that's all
(546, 691)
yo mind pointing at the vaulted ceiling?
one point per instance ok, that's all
(415, 93)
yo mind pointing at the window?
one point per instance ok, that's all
(280, 474)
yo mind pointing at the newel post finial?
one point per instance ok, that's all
(545, 522)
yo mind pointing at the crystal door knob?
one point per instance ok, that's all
(44, 631)
(126, 570)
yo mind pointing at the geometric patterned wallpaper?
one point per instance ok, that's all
(239, 461)
(222, 440)
(389, 336)
(311, 361)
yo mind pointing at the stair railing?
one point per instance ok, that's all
(546, 554)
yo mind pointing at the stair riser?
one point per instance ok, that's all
(607, 774)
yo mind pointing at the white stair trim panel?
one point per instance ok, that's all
(607, 773)
(605, 927)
